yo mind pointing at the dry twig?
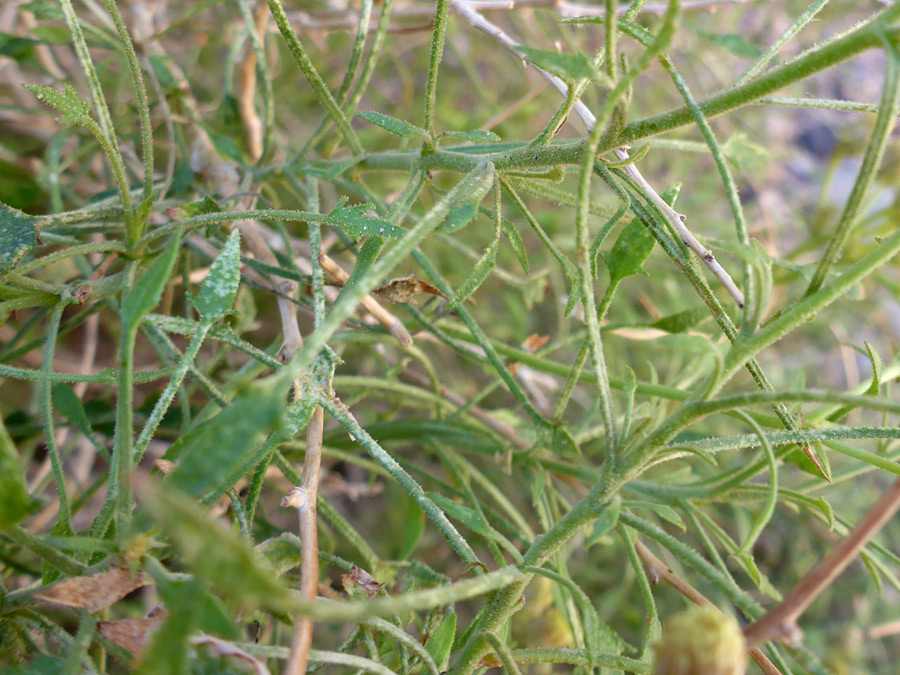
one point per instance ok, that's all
(303, 498)
(659, 570)
(780, 623)
(391, 323)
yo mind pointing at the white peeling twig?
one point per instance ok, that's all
(466, 9)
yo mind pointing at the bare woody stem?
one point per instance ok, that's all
(253, 125)
(390, 322)
(303, 498)
(657, 570)
(780, 623)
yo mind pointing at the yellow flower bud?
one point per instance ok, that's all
(701, 641)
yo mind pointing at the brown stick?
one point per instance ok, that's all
(780, 623)
(303, 498)
(375, 308)
(253, 126)
(659, 570)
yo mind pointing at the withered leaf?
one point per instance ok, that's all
(359, 577)
(404, 289)
(97, 591)
(133, 634)
(535, 342)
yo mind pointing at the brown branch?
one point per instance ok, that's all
(659, 570)
(253, 126)
(391, 323)
(780, 623)
(303, 498)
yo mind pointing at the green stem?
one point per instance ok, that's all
(320, 89)
(65, 517)
(168, 395)
(438, 37)
(887, 115)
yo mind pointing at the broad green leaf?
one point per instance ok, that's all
(744, 153)
(440, 644)
(473, 135)
(51, 35)
(209, 453)
(680, 322)
(665, 512)
(198, 208)
(670, 194)
(16, 48)
(281, 553)
(15, 503)
(18, 235)
(413, 529)
(209, 614)
(555, 437)
(215, 554)
(167, 80)
(515, 241)
(73, 109)
(357, 224)
(393, 125)
(459, 217)
(730, 42)
(327, 169)
(66, 402)
(43, 10)
(568, 67)
(632, 248)
(148, 290)
(219, 288)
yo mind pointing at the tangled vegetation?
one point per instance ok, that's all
(436, 337)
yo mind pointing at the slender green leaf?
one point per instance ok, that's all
(147, 292)
(392, 124)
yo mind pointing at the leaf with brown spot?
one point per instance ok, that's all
(404, 289)
(359, 577)
(97, 591)
(133, 634)
(535, 342)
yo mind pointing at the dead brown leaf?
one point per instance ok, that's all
(97, 591)
(359, 577)
(535, 342)
(404, 289)
(133, 634)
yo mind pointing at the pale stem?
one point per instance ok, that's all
(466, 9)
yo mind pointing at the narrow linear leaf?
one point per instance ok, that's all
(473, 135)
(393, 125)
(147, 292)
